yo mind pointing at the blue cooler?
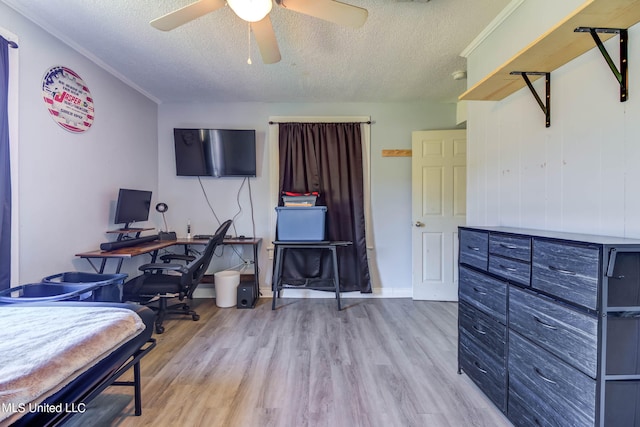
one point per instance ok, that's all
(109, 286)
(301, 224)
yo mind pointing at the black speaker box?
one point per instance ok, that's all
(167, 235)
(246, 295)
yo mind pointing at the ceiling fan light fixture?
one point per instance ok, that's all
(251, 10)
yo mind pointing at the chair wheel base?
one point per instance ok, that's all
(195, 317)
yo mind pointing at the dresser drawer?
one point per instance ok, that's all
(567, 271)
(474, 248)
(484, 293)
(487, 332)
(488, 372)
(516, 271)
(510, 246)
(526, 409)
(567, 333)
(565, 389)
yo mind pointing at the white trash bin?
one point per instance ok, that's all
(226, 285)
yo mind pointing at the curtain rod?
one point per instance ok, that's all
(275, 123)
(11, 43)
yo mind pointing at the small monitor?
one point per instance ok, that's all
(132, 206)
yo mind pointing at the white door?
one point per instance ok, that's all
(439, 177)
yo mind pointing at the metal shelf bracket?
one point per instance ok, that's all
(621, 74)
(545, 106)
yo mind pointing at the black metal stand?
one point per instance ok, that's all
(278, 285)
(545, 106)
(622, 74)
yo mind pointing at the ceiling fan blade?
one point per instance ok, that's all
(185, 14)
(266, 39)
(332, 11)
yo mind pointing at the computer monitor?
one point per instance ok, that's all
(132, 206)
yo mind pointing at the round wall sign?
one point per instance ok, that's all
(68, 99)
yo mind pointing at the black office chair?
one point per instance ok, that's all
(163, 281)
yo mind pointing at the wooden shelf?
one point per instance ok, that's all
(556, 47)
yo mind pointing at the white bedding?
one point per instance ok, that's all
(44, 348)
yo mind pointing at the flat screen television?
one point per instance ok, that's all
(215, 152)
(132, 206)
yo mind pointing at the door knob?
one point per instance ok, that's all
(419, 224)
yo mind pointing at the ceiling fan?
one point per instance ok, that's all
(256, 12)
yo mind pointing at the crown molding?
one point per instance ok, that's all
(497, 21)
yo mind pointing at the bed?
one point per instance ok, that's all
(56, 357)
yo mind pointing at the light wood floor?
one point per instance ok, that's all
(378, 362)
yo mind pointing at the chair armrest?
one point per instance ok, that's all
(171, 257)
(163, 266)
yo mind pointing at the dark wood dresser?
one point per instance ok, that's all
(549, 325)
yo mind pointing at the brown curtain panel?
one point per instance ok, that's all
(327, 158)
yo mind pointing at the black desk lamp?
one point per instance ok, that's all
(165, 235)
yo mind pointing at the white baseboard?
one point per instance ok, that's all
(204, 291)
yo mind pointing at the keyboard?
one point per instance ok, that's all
(203, 236)
(110, 246)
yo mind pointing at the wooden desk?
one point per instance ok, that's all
(121, 254)
(152, 248)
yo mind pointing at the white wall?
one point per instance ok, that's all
(69, 182)
(527, 21)
(391, 177)
(578, 175)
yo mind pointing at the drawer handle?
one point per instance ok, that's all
(562, 271)
(480, 291)
(473, 248)
(538, 373)
(506, 246)
(504, 267)
(477, 365)
(479, 330)
(544, 324)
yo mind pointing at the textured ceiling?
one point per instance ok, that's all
(406, 51)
